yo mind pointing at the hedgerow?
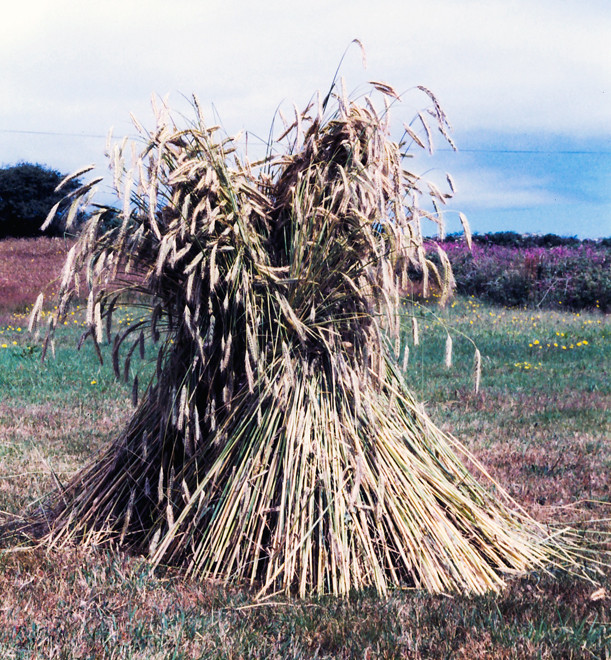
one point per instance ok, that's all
(510, 270)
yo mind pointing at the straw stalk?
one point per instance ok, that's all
(278, 444)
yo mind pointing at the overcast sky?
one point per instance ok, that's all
(526, 85)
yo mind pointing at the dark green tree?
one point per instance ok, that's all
(27, 194)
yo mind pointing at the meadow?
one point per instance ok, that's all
(540, 425)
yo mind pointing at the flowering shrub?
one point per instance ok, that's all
(565, 276)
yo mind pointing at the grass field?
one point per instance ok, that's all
(540, 424)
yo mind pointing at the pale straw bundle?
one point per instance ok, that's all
(278, 444)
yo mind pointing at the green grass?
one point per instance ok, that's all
(67, 376)
(542, 421)
(522, 350)
(543, 367)
(54, 415)
(541, 430)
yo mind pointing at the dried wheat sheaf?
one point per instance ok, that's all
(278, 444)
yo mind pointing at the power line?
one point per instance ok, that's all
(560, 152)
(86, 135)
(531, 151)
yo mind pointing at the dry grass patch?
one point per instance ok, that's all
(86, 605)
(536, 445)
(81, 603)
(43, 444)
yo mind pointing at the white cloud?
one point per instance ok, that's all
(481, 189)
(500, 68)
(515, 65)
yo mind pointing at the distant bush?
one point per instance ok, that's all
(574, 274)
(513, 239)
(27, 194)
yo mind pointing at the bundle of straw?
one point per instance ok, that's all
(278, 443)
